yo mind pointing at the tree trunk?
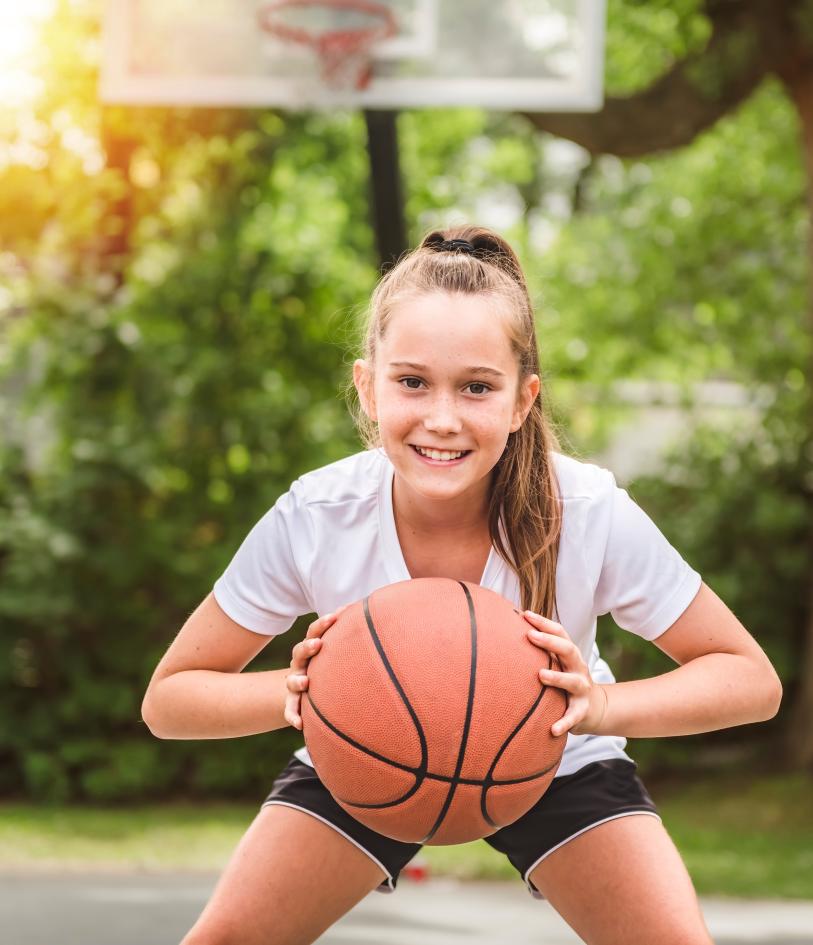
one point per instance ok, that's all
(115, 247)
(799, 744)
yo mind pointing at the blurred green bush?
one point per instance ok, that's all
(175, 331)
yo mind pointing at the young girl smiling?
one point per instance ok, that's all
(463, 478)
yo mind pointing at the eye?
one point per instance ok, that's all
(414, 383)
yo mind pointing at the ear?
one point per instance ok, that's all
(527, 395)
(363, 381)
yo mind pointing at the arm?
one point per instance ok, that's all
(724, 679)
(198, 689)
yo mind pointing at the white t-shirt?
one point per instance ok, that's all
(331, 540)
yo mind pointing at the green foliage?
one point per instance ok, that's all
(645, 38)
(692, 267)
(163, 390)
(702, 271)
(739, 509)
(176, 327)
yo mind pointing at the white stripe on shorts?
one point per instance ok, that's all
(390, 887)
(535, 892)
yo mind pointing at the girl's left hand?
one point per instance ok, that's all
(586, 702)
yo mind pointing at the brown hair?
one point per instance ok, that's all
(525, 493)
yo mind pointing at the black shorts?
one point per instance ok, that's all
(598, 792)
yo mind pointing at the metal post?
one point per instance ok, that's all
(386, 191)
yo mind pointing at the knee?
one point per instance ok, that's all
(688, 933)
(698, 938)
(208, 934)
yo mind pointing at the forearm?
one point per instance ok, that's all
(714, 691)
(201, 703)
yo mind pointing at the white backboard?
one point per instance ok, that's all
(535, 55)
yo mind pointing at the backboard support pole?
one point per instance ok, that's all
(386, 186)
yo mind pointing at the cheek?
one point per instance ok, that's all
(395, 412)
(498, 417)
(490, 426)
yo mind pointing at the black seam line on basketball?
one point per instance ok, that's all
(366, 751)
(487, 786)
(419, 773)
(488, 781)
(429, 775)
(399, 688)
(464, 738)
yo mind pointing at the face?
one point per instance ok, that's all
(446, 393)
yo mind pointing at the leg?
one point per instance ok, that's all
(290, 878)
(623, 883)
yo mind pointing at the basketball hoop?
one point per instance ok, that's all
(340, 50)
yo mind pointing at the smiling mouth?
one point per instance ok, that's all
(440, 455)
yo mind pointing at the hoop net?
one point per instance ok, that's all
(342, 52)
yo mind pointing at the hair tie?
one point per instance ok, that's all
(456, 246)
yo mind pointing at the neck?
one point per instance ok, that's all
(464, 515)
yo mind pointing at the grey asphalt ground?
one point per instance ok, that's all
(158, 909)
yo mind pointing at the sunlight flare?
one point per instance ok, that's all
(18, 30)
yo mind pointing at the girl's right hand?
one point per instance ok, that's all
(297, 680)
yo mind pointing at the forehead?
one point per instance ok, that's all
(445, 327)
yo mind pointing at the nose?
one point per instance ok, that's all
(442, 417)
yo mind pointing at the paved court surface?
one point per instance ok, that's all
(158, 909)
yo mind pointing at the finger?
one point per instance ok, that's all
(544, 623)
(303, 651)
(293, 720)
(568, 720)
(291, 712)
(570, 682)
(559, 645)
(308, 647)
(296, 682)
(318, 627)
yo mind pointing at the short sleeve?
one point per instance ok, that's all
(644, 582)
(263, 588)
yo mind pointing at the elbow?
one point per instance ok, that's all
(148, 715)
(776, 696)
(772, 698)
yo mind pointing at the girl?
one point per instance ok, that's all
(463, 478)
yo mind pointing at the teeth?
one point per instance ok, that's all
(439, 454)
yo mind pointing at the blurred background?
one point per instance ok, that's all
(180, 291)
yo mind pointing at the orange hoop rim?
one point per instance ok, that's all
(335, 48)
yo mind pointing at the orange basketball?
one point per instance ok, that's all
(425, 716)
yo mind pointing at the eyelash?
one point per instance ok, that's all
(470, 384)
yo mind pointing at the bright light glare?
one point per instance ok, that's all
(18, 29)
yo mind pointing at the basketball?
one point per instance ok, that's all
(425, 716)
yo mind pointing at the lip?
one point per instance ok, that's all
(440, 462)
(442, 449)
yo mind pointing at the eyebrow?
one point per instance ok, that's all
(492, 372)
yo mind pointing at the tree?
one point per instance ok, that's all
(746, 42)
(189, 371)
